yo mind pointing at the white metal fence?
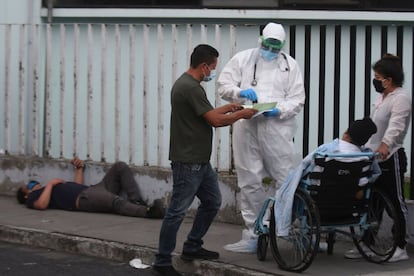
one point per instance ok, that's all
(102, 91)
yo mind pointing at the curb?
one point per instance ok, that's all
(114, 251)
(75, 244)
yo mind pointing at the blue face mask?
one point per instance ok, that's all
(211, 76)
(268, 55)
(31, 184)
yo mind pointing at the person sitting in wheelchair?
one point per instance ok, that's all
(352, 142)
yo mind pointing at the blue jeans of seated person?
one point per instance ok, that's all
(190, 181)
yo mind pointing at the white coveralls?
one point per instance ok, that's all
(263, 146)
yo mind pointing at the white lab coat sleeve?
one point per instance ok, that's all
(295, 92)
(228, 82)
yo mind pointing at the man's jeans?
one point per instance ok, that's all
(190, 180)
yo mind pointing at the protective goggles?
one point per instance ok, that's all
(272, 44)
(31, 184)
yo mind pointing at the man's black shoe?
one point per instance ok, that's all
(157, 210)
(202, 253)
(165, 270)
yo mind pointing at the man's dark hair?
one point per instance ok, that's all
(361, 130)
(21, 196)
(390, 67)
(203, 53)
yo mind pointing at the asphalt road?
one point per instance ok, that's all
(18, 260)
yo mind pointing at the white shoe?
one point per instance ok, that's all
(399, 255)
(248, 244)
(323, 246)
(354, 253)
(242, 246)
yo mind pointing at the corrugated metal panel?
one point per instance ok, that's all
(132, 95)
(34, 94)
(62, 137)
(7, 87)
(48, 94)
(103, 90)
(22, 83)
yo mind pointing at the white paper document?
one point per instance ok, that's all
(261, 107)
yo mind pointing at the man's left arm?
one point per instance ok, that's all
(79, 168)
(227, 115)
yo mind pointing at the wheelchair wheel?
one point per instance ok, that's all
(378, 233)
(296, 251)
(262, 243)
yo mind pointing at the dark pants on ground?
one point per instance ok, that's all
(391, 182)
(104, 196)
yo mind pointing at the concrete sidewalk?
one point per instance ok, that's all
(125, 238)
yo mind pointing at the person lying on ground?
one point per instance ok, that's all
(103, 197)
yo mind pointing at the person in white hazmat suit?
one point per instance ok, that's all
(262, 146)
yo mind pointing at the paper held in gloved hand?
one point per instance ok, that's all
(261, 107)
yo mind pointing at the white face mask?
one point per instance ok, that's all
(211, 76)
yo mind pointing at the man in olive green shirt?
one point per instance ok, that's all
(192, 119)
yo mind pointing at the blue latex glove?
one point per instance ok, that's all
(272, 113)
(249, 94)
